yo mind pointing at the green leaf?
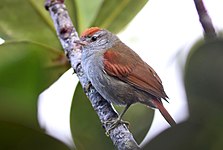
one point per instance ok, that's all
(203, 77)
(72, 7)
(18, 137)
(54, 62)
(188, 136)
(26, 69)
(204, 84)
(87, 131)
(114, 15)
(27, 20)
(86, 12)
(140, 118)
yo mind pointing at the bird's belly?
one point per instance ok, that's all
(113, 89)
(118, 92)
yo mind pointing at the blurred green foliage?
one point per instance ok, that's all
(32, 59)
(18, 137)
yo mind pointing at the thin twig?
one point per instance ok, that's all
(67, 34)
(205, 20)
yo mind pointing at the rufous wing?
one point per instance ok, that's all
(121, 62)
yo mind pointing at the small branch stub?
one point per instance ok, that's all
(67, 34)
(205, 20)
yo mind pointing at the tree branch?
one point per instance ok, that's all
(205, 20)
(67, 34)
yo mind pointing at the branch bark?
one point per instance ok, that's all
(67, 34)
(205, 20)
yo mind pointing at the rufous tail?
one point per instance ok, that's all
(164, 112)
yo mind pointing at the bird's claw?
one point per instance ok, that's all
(114, 124)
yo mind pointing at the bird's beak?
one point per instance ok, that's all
(82, 43)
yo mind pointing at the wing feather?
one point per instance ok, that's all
(126, 65)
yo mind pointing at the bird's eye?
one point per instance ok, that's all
(94, 38)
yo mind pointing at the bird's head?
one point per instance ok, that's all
(96, 38)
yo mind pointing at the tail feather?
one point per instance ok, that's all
(164, 112)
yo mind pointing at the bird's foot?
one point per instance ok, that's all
(114, 124)
(87, 87)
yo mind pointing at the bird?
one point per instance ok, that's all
(119, 74)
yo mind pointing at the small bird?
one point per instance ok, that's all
(119, 74)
